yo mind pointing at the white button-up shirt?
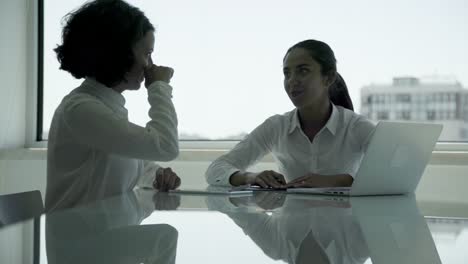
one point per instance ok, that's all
(95, 152)
(336, 149)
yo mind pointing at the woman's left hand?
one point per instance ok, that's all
(166, 180)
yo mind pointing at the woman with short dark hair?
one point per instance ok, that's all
(318, 144)
(93, 149)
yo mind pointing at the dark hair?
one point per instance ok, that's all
(324, 55)
(97, 40)
(319, 51)
(338, 93)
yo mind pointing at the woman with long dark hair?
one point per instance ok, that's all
(318, 144)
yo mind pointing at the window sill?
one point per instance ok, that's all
(199, 151)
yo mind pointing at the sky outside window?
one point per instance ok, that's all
(227, 55)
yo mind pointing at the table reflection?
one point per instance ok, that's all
(305, 228)
(264, 227)
(110, 232)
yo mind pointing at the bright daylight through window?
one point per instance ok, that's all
(401, 60)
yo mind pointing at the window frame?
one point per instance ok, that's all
(34, 100)
(35, 94)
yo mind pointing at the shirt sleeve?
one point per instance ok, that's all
(94, 124)
(150, 168)
(362, 130)
(245, 154)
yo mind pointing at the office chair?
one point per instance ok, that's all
(20, 206)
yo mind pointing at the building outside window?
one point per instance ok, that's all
(428, 99)
(382, 115)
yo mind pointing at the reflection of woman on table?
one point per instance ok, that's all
(108, 231)
(318, 144)
(322, 234)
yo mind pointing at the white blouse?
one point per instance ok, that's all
(336, 149)
(95, 152)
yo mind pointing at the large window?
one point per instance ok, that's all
(227, 57)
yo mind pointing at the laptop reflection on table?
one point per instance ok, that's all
(394, 230)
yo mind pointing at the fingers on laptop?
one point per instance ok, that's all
(270, 178)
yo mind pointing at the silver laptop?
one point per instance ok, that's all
(396, 157)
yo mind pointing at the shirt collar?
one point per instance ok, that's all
(104, 93)
(331, 124)
(294, 122)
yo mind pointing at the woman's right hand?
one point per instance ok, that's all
(269, 178)
(155, 73)
(265, 179)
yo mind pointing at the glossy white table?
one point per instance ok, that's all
(267, 227)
